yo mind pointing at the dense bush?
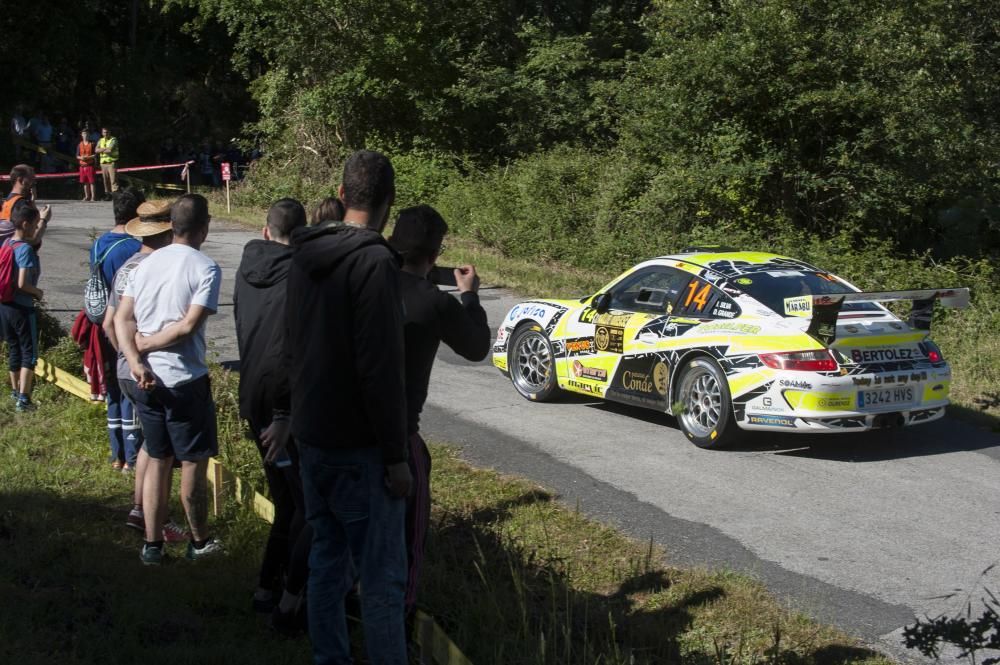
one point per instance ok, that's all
(870, 116)
(642, 119)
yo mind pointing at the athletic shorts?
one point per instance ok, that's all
(180, 421)
(87, 175)
(19, 325)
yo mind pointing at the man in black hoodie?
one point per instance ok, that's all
(265, 403)
(344, 346)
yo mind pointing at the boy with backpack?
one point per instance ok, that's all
(19, 273)
(109, 253)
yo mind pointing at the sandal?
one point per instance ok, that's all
(116, 465)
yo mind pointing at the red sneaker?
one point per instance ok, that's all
(135, 520)
(174, 533)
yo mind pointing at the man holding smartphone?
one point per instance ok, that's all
(432, 316)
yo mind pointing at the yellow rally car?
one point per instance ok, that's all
(729, 341)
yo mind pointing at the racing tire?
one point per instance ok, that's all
(706, 413)
(531, 363)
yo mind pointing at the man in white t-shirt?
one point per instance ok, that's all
(160, 325)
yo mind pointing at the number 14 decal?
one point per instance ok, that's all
(696, 296)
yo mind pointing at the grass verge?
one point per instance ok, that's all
(512, 575)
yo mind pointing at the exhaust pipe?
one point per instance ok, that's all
(888, 420)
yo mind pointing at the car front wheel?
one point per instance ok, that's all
(532, 364)
(706, 409)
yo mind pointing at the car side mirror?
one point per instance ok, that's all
(601, 302)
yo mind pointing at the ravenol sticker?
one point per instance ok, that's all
(771, 421)
(799, 306)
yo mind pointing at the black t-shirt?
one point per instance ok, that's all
(433, 316)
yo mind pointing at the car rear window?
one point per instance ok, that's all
(773, 286)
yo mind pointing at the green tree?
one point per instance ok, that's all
(125, 64)
(877, 116)
(478, 77)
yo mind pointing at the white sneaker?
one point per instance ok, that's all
(212, 546)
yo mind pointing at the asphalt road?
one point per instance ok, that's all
(864, 532)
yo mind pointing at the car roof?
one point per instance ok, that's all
(703, 258)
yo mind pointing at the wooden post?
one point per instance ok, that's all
(217, 496)
(425, 631)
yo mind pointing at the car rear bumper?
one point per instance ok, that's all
(847, 422)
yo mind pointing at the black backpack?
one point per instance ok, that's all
(95, 293)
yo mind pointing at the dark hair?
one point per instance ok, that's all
(329, 209)
(125, 203)
(369, 181)
(158, 240)
(21, 171)
(418, 233)
(23, 212)
(284, 216)
(189, 215)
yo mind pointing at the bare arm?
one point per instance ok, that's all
(43, 225)
(125, 329)
(24, 286)
(108, 325)
(174, 333)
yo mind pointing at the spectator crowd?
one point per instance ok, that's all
(332, 398)
(91, 148)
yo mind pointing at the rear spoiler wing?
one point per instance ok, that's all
(823, 310)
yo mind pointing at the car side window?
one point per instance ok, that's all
(650, 290)
(699, 299)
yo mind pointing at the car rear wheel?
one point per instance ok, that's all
(532, 364)
(706, 413)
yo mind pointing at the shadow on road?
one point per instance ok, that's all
(943, 436)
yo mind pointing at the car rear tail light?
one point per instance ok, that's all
(803, 361)
(932, 352)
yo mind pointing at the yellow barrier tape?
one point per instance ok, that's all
(65, 380)
(150, 184)
(44, 151)
(435, 645)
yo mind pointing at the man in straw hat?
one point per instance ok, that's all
(152, 228)
(160, 325)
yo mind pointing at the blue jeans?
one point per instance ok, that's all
(357, 533)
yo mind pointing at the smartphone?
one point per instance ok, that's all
(442, 275)
(283, 460)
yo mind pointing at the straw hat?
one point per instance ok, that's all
(153, 219)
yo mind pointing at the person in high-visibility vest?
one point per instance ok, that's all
(107, 148)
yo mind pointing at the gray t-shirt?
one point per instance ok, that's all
(117, 289)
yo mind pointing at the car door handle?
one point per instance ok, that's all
(648, 338)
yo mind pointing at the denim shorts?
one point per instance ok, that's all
(19, 325)
(180, 421)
